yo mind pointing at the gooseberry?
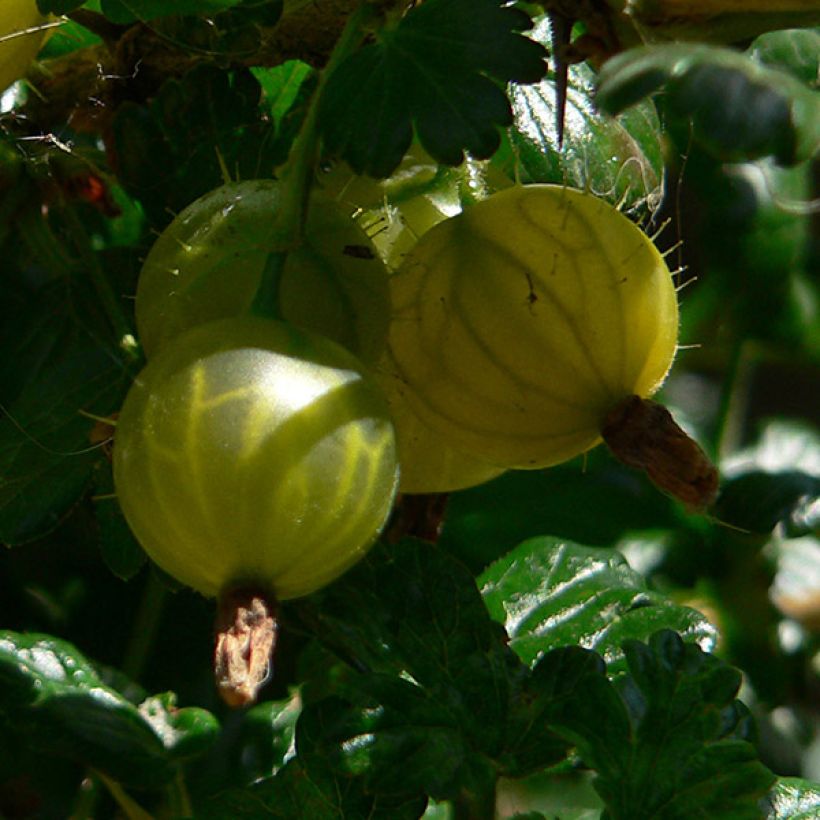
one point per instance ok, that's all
(252, 453)
(521, 323)
(17, 49)
(208, 263)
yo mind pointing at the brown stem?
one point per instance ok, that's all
(246, 629)
(642, 434)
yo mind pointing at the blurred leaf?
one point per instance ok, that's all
(759, 501)
(782, 446)
(594, 501)
(127, 11)
(669, 740)
(550, 593)
(739, 110)
(619, 159)
(168, 153)
(53, 694)
(120, 550)
(753, 234)
(794, 50)
(46, 457)
(796, 587)
(793, 799)
(438, 69)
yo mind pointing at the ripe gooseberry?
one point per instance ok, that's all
(17, 50)
(252, 453)
(208, 263)
(521, 323)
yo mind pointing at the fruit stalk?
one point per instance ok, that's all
(246, 630)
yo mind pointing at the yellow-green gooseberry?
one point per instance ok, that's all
(521, 323)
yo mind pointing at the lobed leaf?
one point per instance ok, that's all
(439, 70)
(667, 740)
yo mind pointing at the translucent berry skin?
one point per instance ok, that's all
(429, 461)
(17, 52)
(207, 264)
(520, 323)
(251, 452)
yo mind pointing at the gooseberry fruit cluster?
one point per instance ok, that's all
(256, 459)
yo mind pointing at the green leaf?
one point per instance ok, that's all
(620, 159)
(283, 86)
(669, 740)
(395, 737)
(440, 69)
(550, 593)
(128, 11)
(774, 481)
(738, 109)
(53, 695)
(793, 799)
(794, 50)
(435, 682)
(267, 741)
(46, 456)
(168, 153)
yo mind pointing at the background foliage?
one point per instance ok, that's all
(570, 647)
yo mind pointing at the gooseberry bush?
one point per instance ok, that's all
(408, 408)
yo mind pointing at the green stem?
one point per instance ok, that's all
(88, 795)
(296, 177)
(733, 399)
(178, 797)
(266, 300)
(130, 808)
(145, 628)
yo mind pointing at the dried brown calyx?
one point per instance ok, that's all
(642, 434)
(246, 631)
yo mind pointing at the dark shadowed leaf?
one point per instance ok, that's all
(439, 70)
(738, 109)
(46, 453)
